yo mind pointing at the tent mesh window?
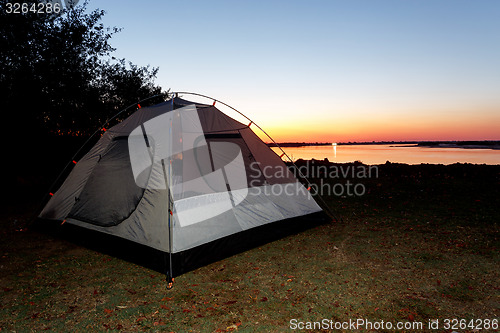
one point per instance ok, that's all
(110, 194)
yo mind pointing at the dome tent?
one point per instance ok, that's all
(187, 180)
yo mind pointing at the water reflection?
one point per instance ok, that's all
(378, 154)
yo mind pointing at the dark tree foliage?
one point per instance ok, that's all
(58, 75)
(59, 82)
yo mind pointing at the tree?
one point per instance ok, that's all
(58, 72)
(59, 82)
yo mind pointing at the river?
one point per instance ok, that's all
(400, 153)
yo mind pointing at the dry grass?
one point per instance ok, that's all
(420, 245)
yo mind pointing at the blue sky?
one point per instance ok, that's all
(328, 70)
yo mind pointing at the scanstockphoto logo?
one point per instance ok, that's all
(342, 180)
(206, 175)
(330, 179)
(171, 152)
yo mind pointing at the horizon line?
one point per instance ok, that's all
(389, 141)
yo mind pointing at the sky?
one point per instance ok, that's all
(327, 71)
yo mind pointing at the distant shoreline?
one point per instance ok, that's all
(495, 145)
(475, 145)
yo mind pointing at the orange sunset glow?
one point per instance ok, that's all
(362, 130)
(384, 126)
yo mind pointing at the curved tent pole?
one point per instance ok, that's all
(333, 215)
(175, 94)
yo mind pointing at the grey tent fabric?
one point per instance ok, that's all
(181, 164)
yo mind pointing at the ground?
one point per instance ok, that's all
(421, 244)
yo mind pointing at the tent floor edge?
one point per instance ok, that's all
(228, 246)
(184, 261)
(104, 243)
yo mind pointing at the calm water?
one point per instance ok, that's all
(378, 154)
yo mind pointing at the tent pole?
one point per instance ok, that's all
(169, 277)
(325, 206)
(168, 267)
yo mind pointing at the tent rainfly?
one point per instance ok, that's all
(187, 180)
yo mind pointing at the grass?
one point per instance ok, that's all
(422, 243)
